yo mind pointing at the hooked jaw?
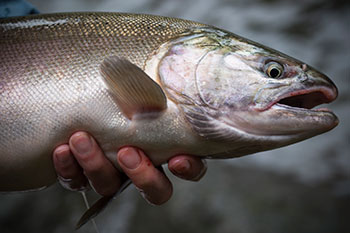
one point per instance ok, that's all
(292, 110)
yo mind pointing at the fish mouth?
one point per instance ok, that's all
(293, 113)
(307, 99)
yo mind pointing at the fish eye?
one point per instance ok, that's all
(273, 69)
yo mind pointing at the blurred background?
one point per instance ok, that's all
(301, 188)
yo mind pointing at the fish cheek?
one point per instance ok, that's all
(225, 85)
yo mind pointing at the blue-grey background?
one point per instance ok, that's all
(300, 188)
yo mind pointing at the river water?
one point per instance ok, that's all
(300, 188)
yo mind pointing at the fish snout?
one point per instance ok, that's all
(320, 81)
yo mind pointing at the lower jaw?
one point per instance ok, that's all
(287, 107)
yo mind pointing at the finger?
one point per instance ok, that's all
(70, 175)
(153, 184)
(188, 167)
(103, 176)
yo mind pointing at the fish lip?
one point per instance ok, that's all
(324, 93)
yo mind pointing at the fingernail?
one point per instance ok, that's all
(182, 167)
(130, 158)
(62, 154)
(62, 157)
(82, 143)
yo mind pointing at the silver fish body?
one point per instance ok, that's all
(225, 96)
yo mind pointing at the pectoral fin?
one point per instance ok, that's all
(133, 90)
(101, 204)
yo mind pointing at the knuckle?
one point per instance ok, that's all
(93, 168)
(83, 160)
(146, 181)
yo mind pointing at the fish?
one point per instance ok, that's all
(166, 85)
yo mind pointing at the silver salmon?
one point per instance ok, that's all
(166, 85)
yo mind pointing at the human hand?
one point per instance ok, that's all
(82, 163)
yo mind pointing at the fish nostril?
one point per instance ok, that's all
(303, 77)
(304, 67)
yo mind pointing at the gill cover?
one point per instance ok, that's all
(194, 75)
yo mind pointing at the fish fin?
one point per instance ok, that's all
(133, 90)
(87, 207)
(100, 205)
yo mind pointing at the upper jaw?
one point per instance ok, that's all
(306, 99)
